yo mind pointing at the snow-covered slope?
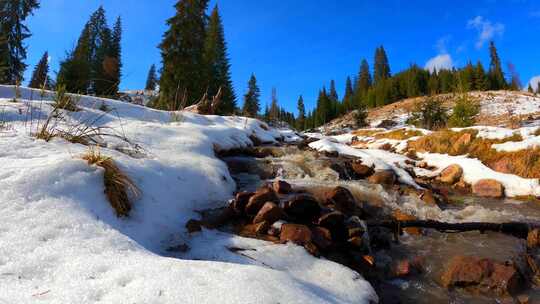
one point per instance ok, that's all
(60, 241)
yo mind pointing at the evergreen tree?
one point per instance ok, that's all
(113, 60)
(274, 109)
(530, 89)
(75, 69)
(481, 81)
(538, 88)
(184, 72)
(496, 76)
(301, 119)
(217, 63)
(251, 99)
(382, 67)
(349, 96)
(151, 79)
(515, 82)
(13, 13)
(363, 82)
(333, 93)
(40, 76)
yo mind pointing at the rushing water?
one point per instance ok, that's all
(311, 172)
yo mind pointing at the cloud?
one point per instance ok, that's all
(534, 82)
(486, 30)
(442, 44)
(439, 62)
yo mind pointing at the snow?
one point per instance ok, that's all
(512, 146)
(60, 241)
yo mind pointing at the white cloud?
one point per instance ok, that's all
(442, 44)
(486, 30)
(439, 62)
(534, 82)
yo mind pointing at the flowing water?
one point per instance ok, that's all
(311, 172)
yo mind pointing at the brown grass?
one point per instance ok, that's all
(118, 186)
(399, 134)
(524, 163)
(537, 132)
(366, 132)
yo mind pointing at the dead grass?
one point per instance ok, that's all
(524, 163)
(366, 132)
(399, 134)
(119, 188)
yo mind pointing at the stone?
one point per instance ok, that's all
(298, 234)
(533, 239)
(401, 216)
(342, 199)
(194, 226)
(422, 164)
(262, 227)
(303, 208)
(321, 237)
(451, 174)
(356, 241)
(463, 141)
(282, 187)
(503, 165)
(428, 197)
(270, 213)
(488, 188)
(462, 186)
(482, 274)
(332, 220)
(361, 170)
(260, 197)
(383, 177)
(241, 200)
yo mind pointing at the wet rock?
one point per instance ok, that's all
(194, 226)
(428, 197)
(533, 239)
(262, 227)
(282, 187)
(361, 170)
(270, 213)
(451, 174)
(383, 177)
(380, 238)
(263, 152)
(405, 267)
(342, 199)
(356, 242)
(488, 188)
(258, 230)
(462, 186)
(335, 222)
(241, 200)
(321, 237)
(331, 154)
(303, 207)
(275, 229)
(260, 197)
(298, 234)
(401, 216)
(484, 275)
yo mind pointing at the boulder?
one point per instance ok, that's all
(533, 239)
(401, 216)
(383, 177)
(303, 207)
(270, 213)
(451, 174)
(503, 165)
(428, 197)
(481, 274)
(342, 199)
(335, 222)
(260, 197)
(488, 188)
(194, 226)
(282, 187)
(361, 170)
(321, 237)
(356, 242)
(298, 234)
(241, 200)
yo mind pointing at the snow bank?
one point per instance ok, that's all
(60, 241)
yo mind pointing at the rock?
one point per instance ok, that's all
(241, 200)
(523, 299)
(401, 216)
(357, 242)
(533, 239)
(462, 186)
(194, 226)
(428, 197)
(383, 177)
(405, 267)
(361, 170)
(321, 237)
(298, 234)
(262, 227)
(482, 275)
(451, 174)
(335, 222)
(270, 213)
(282, 187)
(503, 165)
(342, 199)
(463, 141)
(488, 188)
(303, 207)
(260, 197)
(422, 164)
(275, 229)
(331, 154)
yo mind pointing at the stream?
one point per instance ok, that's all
(312, 172)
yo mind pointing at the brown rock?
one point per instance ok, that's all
(298, 234)
(321, 237)
(282, 187)
(451, 174)
(488, 188)
(422, 164)
(332, 220)
(270, 213)
(428, 197)
(342, 199)
(262, 227)
(533, 239)
(356, 242)
(361, 170)
(260, 197)
(401, 216)
(303, 207)
(384, 177)
(240, 201)
(194, 226)
(503, 165)
(462, 186)
(482, 275)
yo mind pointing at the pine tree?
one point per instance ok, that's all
(113, 60)
(538, 88)
(382, 67)
(515, 82)
(363, 82)
(274, 108)
(40, 76)
(301, 119)
(151, 79)
(530, 89)
(251, 98)
(481, 81)
(349, 96)
(75, 69)
(217, 63)
(183, 72)
(496, 76)
(13, 13)
(333, 92)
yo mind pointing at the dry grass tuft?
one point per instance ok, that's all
(366, 132)
(399, 134)
(118, 186)
(524, 163)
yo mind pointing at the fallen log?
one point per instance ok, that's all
(516, 229)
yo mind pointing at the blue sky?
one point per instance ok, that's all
(298, 46)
